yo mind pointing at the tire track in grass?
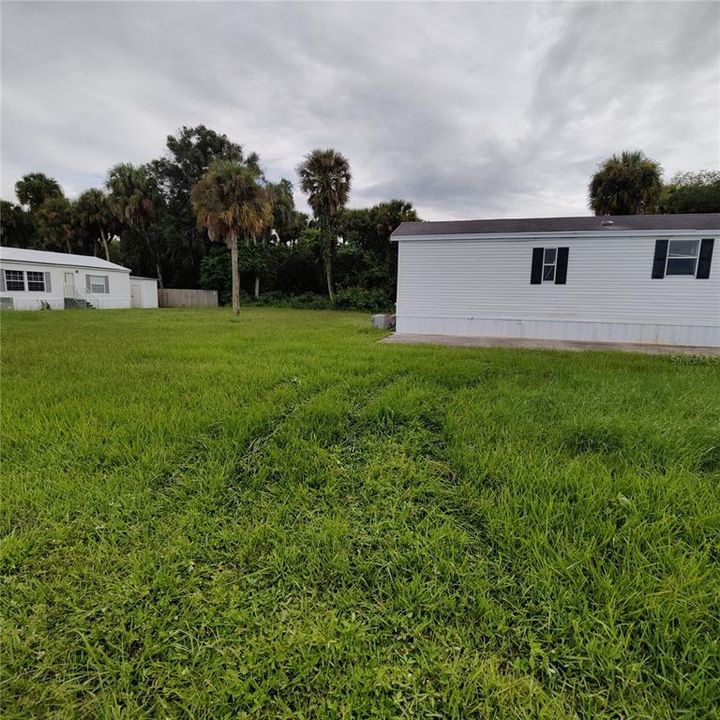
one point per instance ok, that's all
(218, 564)
(451, 496)
(154, 493)
(264, 591)
(393, 555)
(168, 497)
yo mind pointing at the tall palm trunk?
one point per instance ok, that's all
(104, 242)
(328, 258)
(329, 278)
(154, 256)
(159, 274)
(232, 241)
(257, 271)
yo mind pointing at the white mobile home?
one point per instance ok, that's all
(637, 279)
(32, 279)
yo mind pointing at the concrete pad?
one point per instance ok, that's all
(577, 345)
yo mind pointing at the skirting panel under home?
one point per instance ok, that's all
(697, 335)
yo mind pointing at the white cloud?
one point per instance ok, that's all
(467, 110)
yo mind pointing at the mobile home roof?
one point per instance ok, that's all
(589, 223)
(44, 257)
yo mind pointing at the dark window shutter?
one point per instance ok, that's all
(661, 251)
(706, 251)
(47, 282)
(2, 281)
(87, 283)
(537, 266)
(561, 268)
(107, 284)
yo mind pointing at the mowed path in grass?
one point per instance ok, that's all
(275, 516)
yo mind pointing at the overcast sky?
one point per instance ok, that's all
(467, 110)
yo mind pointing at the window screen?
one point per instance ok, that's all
(36, 281)
(98, 284)
(14, 280)
(682, 257)
(549, 264)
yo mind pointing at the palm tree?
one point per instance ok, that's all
(626, 185)
(34, 189)
(55, 221)
(230, 202)
(96, 219)
(134, 198)
(284, 213)
(325, 177)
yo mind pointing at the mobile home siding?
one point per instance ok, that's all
(117, 297)
(482, 286)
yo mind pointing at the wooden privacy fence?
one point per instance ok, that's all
(187, 298)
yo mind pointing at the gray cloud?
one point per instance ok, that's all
(467, 110)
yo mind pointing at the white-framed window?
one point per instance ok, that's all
(35, 281)
(14, 280)
(98, 284)
(549, 263)
(682, 257)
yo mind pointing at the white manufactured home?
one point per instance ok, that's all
(636, 279)
(33, 279)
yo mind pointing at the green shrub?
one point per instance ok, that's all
(309, 300)
(359, 298)
(215, 274)
(272, 298)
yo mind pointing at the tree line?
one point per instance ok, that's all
(631, 184)
(204, 215)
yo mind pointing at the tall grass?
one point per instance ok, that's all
(275, 516)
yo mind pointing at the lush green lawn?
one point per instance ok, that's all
(276, 516)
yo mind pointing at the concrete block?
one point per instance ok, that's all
(383, 322)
